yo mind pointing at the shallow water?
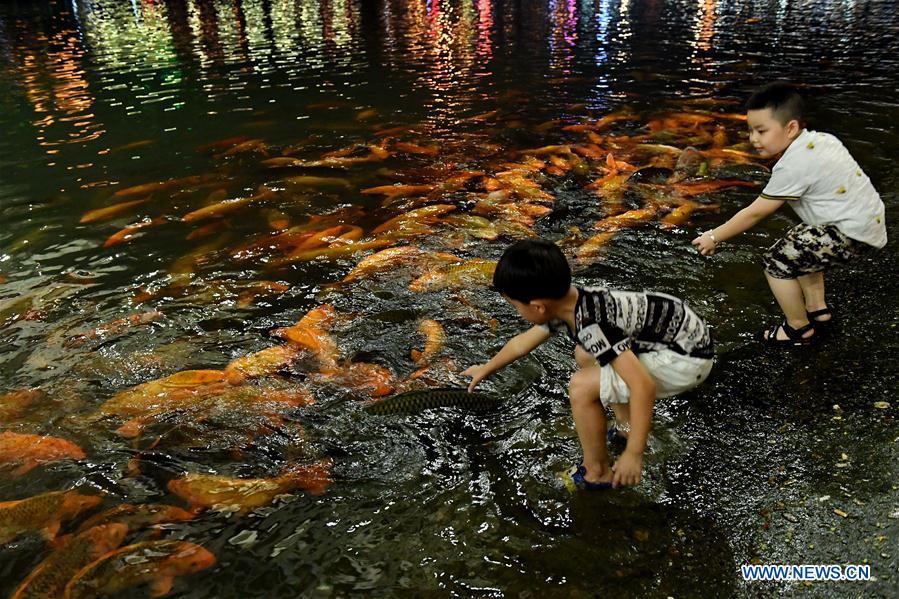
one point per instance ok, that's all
(100, 96)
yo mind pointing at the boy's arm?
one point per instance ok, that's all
(516, 347)
(628, 468)
(743, 220)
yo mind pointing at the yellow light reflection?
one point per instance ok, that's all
(704, 29)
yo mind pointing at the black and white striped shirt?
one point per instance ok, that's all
(608, 322)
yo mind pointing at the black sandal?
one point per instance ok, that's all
(814, 314)
(794, 336)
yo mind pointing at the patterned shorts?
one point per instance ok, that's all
(807, 249)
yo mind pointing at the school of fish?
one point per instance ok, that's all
(397, 203)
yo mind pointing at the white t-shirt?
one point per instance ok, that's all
(825, 185)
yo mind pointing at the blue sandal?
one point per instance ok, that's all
(574, 480)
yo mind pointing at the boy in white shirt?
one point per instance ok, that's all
(841, 212)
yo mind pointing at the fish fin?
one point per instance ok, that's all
(161, 586)
(49, 533)
(24, 467)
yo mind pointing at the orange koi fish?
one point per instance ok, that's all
(336, 234)
(246, 147)
(132, 231)
(414, 217)
(101, 214)
(148, 188)
(226, 206)
(222, 144)
(16, 403)
(157, 396)
(376, 154)
(368, 114)
(372, 379)
(701, 187)
(393, 191)
(409, 148)
(333, 251)
(544, 150)
(134, 145)
(591, 150)
(682, 213)
(454, 183)
(153, 563)
(318, 182)
(262, 363)
(628, 219)
(207, 490)
(243, 402)
(395, 130)
(258, 289)
(471, 272)
(311, 333)
(397, 256)
(435, 337)
(50, 577)
(207, 230)
(591, 248)
(137, 517)
(328, 105)
(476, 226)
(281, 162)
(732, 154)
(44, 513)
(276, 219)
(486, 116)
(21, 453)
(601, 123)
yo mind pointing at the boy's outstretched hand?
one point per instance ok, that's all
(628, 469)
(705, 244)
(478, 373)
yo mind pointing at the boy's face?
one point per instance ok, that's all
(534, 312)
(767, 135)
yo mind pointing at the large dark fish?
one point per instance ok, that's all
(413, 402)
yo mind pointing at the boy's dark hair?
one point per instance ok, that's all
(782, 98)
(532, 269)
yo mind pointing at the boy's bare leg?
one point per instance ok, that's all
(590, 423)
(622, 416)
(788, 293)
(813, 291)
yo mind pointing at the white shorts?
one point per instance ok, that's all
(672, 372)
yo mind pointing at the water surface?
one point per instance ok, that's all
(757, 465)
